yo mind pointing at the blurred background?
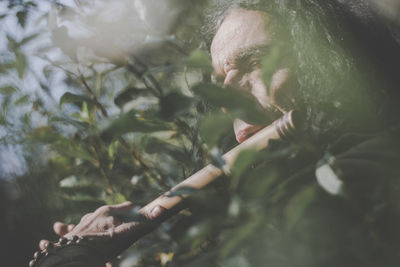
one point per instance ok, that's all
(97, 107)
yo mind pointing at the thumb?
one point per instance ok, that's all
(155, 214)
(145, 223)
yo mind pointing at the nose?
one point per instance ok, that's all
(255, 86)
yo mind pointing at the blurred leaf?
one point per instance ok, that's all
(163, 69)
(215, 126)
(22, 15)
(74, 182)
(22, 100)
(82, 197)
(4, 108)
(62, 40)
(28, 39)
(270, 62)
(185, 191)
(74, 99)
(237, 103)
(69, 121)
(242, 162)
(130, 122)
(8, 90)
(154, 145)
(69, 182)
(298, 205)
(44, 134)
(20, 64)
(242, 234)
(112, 149)
(52, 18)
(174, 105)
(30, 3)
(12, 44)
(116, 198)
(165, 258)
(112, 152)
(200, 59)
(129, 94)
(71, 148)
(328, 178)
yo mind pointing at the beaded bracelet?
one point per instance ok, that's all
(51, 248)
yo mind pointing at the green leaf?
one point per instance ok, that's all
(174, 105)
(215, 126)
(74, 99)
(44, 134)
(30, 3)
(112, 152)
(22, 15)
(20, 64)
(12, 44)
(154, 145)
(129, 122)
(116, 198)
(200, 59)
(242, 234)
(8, 90)
(22, 100)
(242, 162)
(81, 182)
(129, 94)
(28, 39)
(239, 104)
(69, 182)
(69, 121)
(270, 62)
(298, 205)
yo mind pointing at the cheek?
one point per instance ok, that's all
(282, 89)
(259, 90)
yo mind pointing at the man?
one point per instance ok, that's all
(244, 36)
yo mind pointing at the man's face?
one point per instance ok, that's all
(237, 49)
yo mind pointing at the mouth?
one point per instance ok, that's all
(246, 132)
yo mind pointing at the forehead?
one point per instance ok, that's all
(240, 30)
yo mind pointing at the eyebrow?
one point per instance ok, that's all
(244, 55)
(250, 52)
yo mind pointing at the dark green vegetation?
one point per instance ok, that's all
(120, 113)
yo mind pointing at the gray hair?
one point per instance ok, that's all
(341, 59)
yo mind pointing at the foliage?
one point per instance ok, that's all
(127, 122)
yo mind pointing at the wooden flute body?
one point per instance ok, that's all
(279, 129)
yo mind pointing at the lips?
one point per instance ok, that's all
(245, 131)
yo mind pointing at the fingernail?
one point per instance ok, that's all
(156, 211)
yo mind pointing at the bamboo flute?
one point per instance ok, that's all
(282, 128)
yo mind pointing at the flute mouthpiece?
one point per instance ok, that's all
(290, 124)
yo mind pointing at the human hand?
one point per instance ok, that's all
(111, 227)
(60, 229)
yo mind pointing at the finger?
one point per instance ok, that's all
(43, 243)
(60, 228)
(139, 228)
(84, 217)
(109, 264)
(157, 213)
(70, 227)
(123, 206)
